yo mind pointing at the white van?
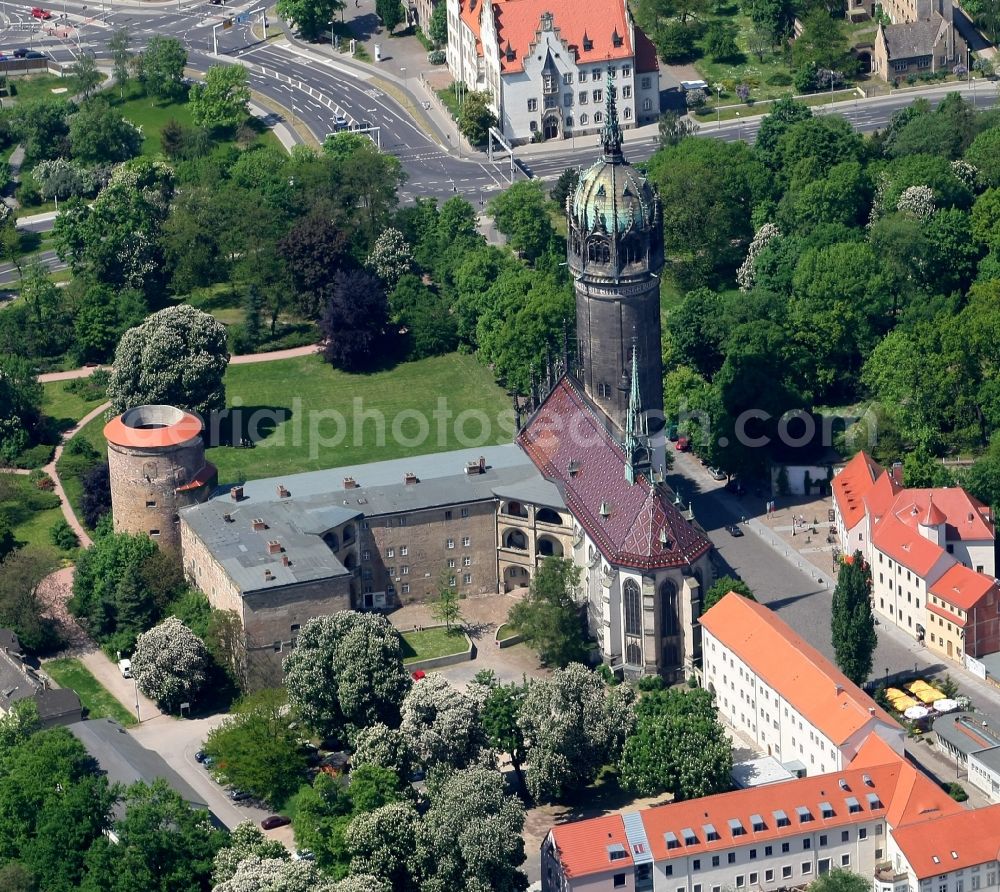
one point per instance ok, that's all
(125, 667)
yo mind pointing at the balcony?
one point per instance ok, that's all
(888, 879)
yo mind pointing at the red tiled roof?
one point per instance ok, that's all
(962, 587)
(967, 518)
(566, 432)
(518, 21)
(852, 484)
(582, 846)
(905, 545)
(880, 497)
(185, 427)
(952, 841)
(944, 614)
(933, 516)
(645, 52)
(792, 667)
(469, 12)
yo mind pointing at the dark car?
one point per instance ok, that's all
(275, 821)
(20, 52)
(199, 756)
(734, 530)
(238, 795)
(207, 761)
(34, 54)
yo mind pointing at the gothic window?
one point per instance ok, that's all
(668, 607)
(633, 608)
(599, 251)
(633, 653)
(630, 251)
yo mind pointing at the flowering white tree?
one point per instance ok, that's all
(441, 723)
(169, 664)
(245, 840)
(916, 201)
(965, 171)
(361, 882)
(382, 844)
(60, 178)
(470, 837)
(256, 874)
(390, 258)
(383, 747)
(176, 357)
(573, 723)
(746, 275)
(347, 669)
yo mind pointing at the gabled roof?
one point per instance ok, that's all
(582, 847)
(634, 525)
(518, 21)
(933, 516)
(966, 518)
(905, 545)
(912, 39)
(852, 484)
(962, 587)
(816, 688)
(880, 497)
(469, 12)
(951, 842)
(645, 53)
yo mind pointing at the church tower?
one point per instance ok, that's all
(615, 253)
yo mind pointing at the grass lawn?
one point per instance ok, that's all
(315, 414)
(429, 643)
(507, 630)
(71, 480)
(64, 407)
(41, 86)
(98, 701)
(30, 512)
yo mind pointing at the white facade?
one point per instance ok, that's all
(984, 772)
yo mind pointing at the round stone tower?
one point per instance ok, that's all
(157, 462)
(615, 253)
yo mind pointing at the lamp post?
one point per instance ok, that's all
(718, 107)
(739, 127)
(138, 717)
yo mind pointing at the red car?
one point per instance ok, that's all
(682, 445)
(275, 821)
(38, 13)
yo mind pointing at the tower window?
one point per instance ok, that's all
(150, 503)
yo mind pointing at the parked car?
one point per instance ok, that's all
(125, 667)
(303, 855)
(717, 474)
(34, 54)
(238, 795)
(199, 756)
(275, 821)
(20, 52)
(417, 674)
(38, 13)
(683, 444)
(207, 761)
(339, 122)
(734, 531)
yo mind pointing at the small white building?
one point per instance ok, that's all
(544, 64)
(779, 691)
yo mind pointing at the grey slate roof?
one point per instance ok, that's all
(10, 642)
(20, 682)
(318, 501)
(990, 758)
(965, 732)
(124, 760)
(907, 41)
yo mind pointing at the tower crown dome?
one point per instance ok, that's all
(614, 197)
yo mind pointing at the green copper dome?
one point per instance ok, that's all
(614, 197)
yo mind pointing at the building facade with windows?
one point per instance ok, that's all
(932, 556)
(779, 691)
(920, 38)
(544, 64)
(884, 821)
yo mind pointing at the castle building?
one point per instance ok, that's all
(583, 480)
(543, 63)
(921, 38)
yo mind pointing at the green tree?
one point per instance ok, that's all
(161, 68)
(923, 470)
(565, 186)
(575, 724)
(223, 100)
(822, 43)
(99, 135)
(853, 625)
(163, 845)
(437, 29)
(18, 724)
(390, 12)
(446, 609)
(120, 47)
(312, 17)
(673, 128)
(21, 608)
(246, 840)
(839, 880)
(521, 214)
(476, 117)
(784, 113)
(187, 348)
(41, 126)
(499, 716)
(322, 815)
(257, 748)
(722, 587)
(983, 478)
(678, 746)
(101, 318)
(88, 78)
(983, 154)
(549, 616)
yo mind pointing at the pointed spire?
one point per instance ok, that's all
(611, 134)
(566, 367)
(634, 428)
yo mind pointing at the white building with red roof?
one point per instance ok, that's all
(544, 63)
(931, 553)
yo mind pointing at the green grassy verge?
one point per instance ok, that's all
(40, 86)
(64, 407)
(430, 643)
(30, 512)
(70, 469)
(96, 699)
(507, 630)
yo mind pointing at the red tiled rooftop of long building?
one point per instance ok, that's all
(852, 484)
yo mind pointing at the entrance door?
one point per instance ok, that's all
(551, 128)
(949, 648)
(369, 601)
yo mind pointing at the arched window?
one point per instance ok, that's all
(547, 515)
(633, 608)
(668, 607)
(633, 653)
(599, 251)
(332, 541)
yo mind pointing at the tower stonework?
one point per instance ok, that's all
(156, 458)
(615, 253)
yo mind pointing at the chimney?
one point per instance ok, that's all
(897, 472)
(839, 689)
(573, 467)
(476, 467)
(350, 483)
(268, 576)
(282, 492)
(274, 547)
(409, 478)
(228, 518)
(482, 464)
(605, 509)
(871, 710)
(258, 525)
(236, 493)
(286, 560)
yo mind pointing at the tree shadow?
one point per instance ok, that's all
(244, 426)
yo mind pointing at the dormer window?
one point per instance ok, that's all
(616, 38)
(588, 44)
